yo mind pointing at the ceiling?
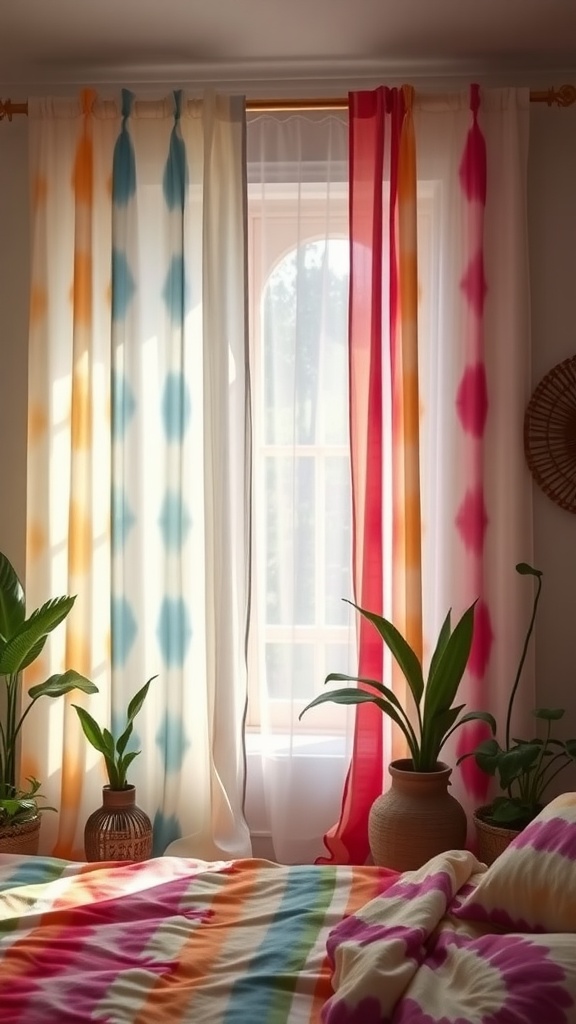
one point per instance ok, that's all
(70, 42)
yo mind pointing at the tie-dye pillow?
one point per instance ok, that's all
(532, 885)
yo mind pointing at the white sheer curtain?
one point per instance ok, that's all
(474, 316)
(138, 454)
(300, 627)
(474, 380)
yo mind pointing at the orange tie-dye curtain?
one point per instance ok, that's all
(138, 448)
(383, 305)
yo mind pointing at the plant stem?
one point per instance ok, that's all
(546, 781)
(534, 775)
(522, 660)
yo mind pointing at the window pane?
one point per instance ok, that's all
(341, 658)
(305, 310)
(337, 541)
(290, 540)
(290, 671)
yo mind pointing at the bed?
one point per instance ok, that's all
(189, 942)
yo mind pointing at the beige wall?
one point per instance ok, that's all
(552, 213)
(552, 227)
(14, 257)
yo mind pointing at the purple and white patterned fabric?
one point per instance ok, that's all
(411, 956)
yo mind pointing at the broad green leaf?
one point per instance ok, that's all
(29, 633)
(570, 746)
(513, 763)
(109, 743)
(443, 637)
(435, 730)
(123, 766)
(511, 812)
(61, 683)
(400, 649)
(549, 714)
(122, 741)
(113, 776)
(12, 599)
(470, 716)
(480, 716)
(91, 729)
(487, 755)
(138, 700)
(442, 686)
(384, 690)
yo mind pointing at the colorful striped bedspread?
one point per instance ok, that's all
(172, 940)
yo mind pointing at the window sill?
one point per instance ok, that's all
(279, 744)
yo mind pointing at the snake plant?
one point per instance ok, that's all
(435, 717)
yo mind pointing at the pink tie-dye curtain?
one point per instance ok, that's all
(430, 530)
(382, 243)
(472, 409)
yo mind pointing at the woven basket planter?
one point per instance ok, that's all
(416, 819)
(21, 837)
(492, 839)
(119, 830)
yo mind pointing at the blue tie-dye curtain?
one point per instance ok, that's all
(166, 479)
(163, 197)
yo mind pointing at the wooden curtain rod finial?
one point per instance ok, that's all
(5, 109)
(565, 96)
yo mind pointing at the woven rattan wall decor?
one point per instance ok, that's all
(550, 434)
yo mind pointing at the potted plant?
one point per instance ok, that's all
(417, 817)
(22, 639)
(523, 768)
(118, 830)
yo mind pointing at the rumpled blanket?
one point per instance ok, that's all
(405, 959)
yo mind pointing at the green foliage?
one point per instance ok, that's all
(436, 716)
(117, 759)
(22, 639)
(523, 768)
(23, 806)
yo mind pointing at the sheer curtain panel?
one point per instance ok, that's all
(440, 374)
(139, 449)
(301, 628)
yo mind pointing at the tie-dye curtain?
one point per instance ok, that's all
(439, 376)
(139, 454)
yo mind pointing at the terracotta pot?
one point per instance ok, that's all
(416, 819)
(21, 837)
(119, 830)
(492, 839)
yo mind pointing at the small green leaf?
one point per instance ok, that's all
(549, 714)
(527, 570)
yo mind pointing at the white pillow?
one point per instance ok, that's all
(532, 885)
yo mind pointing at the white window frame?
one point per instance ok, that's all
(294, 215)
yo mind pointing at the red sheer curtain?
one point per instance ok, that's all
(375, 122)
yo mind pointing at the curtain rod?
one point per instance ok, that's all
(564, 96)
